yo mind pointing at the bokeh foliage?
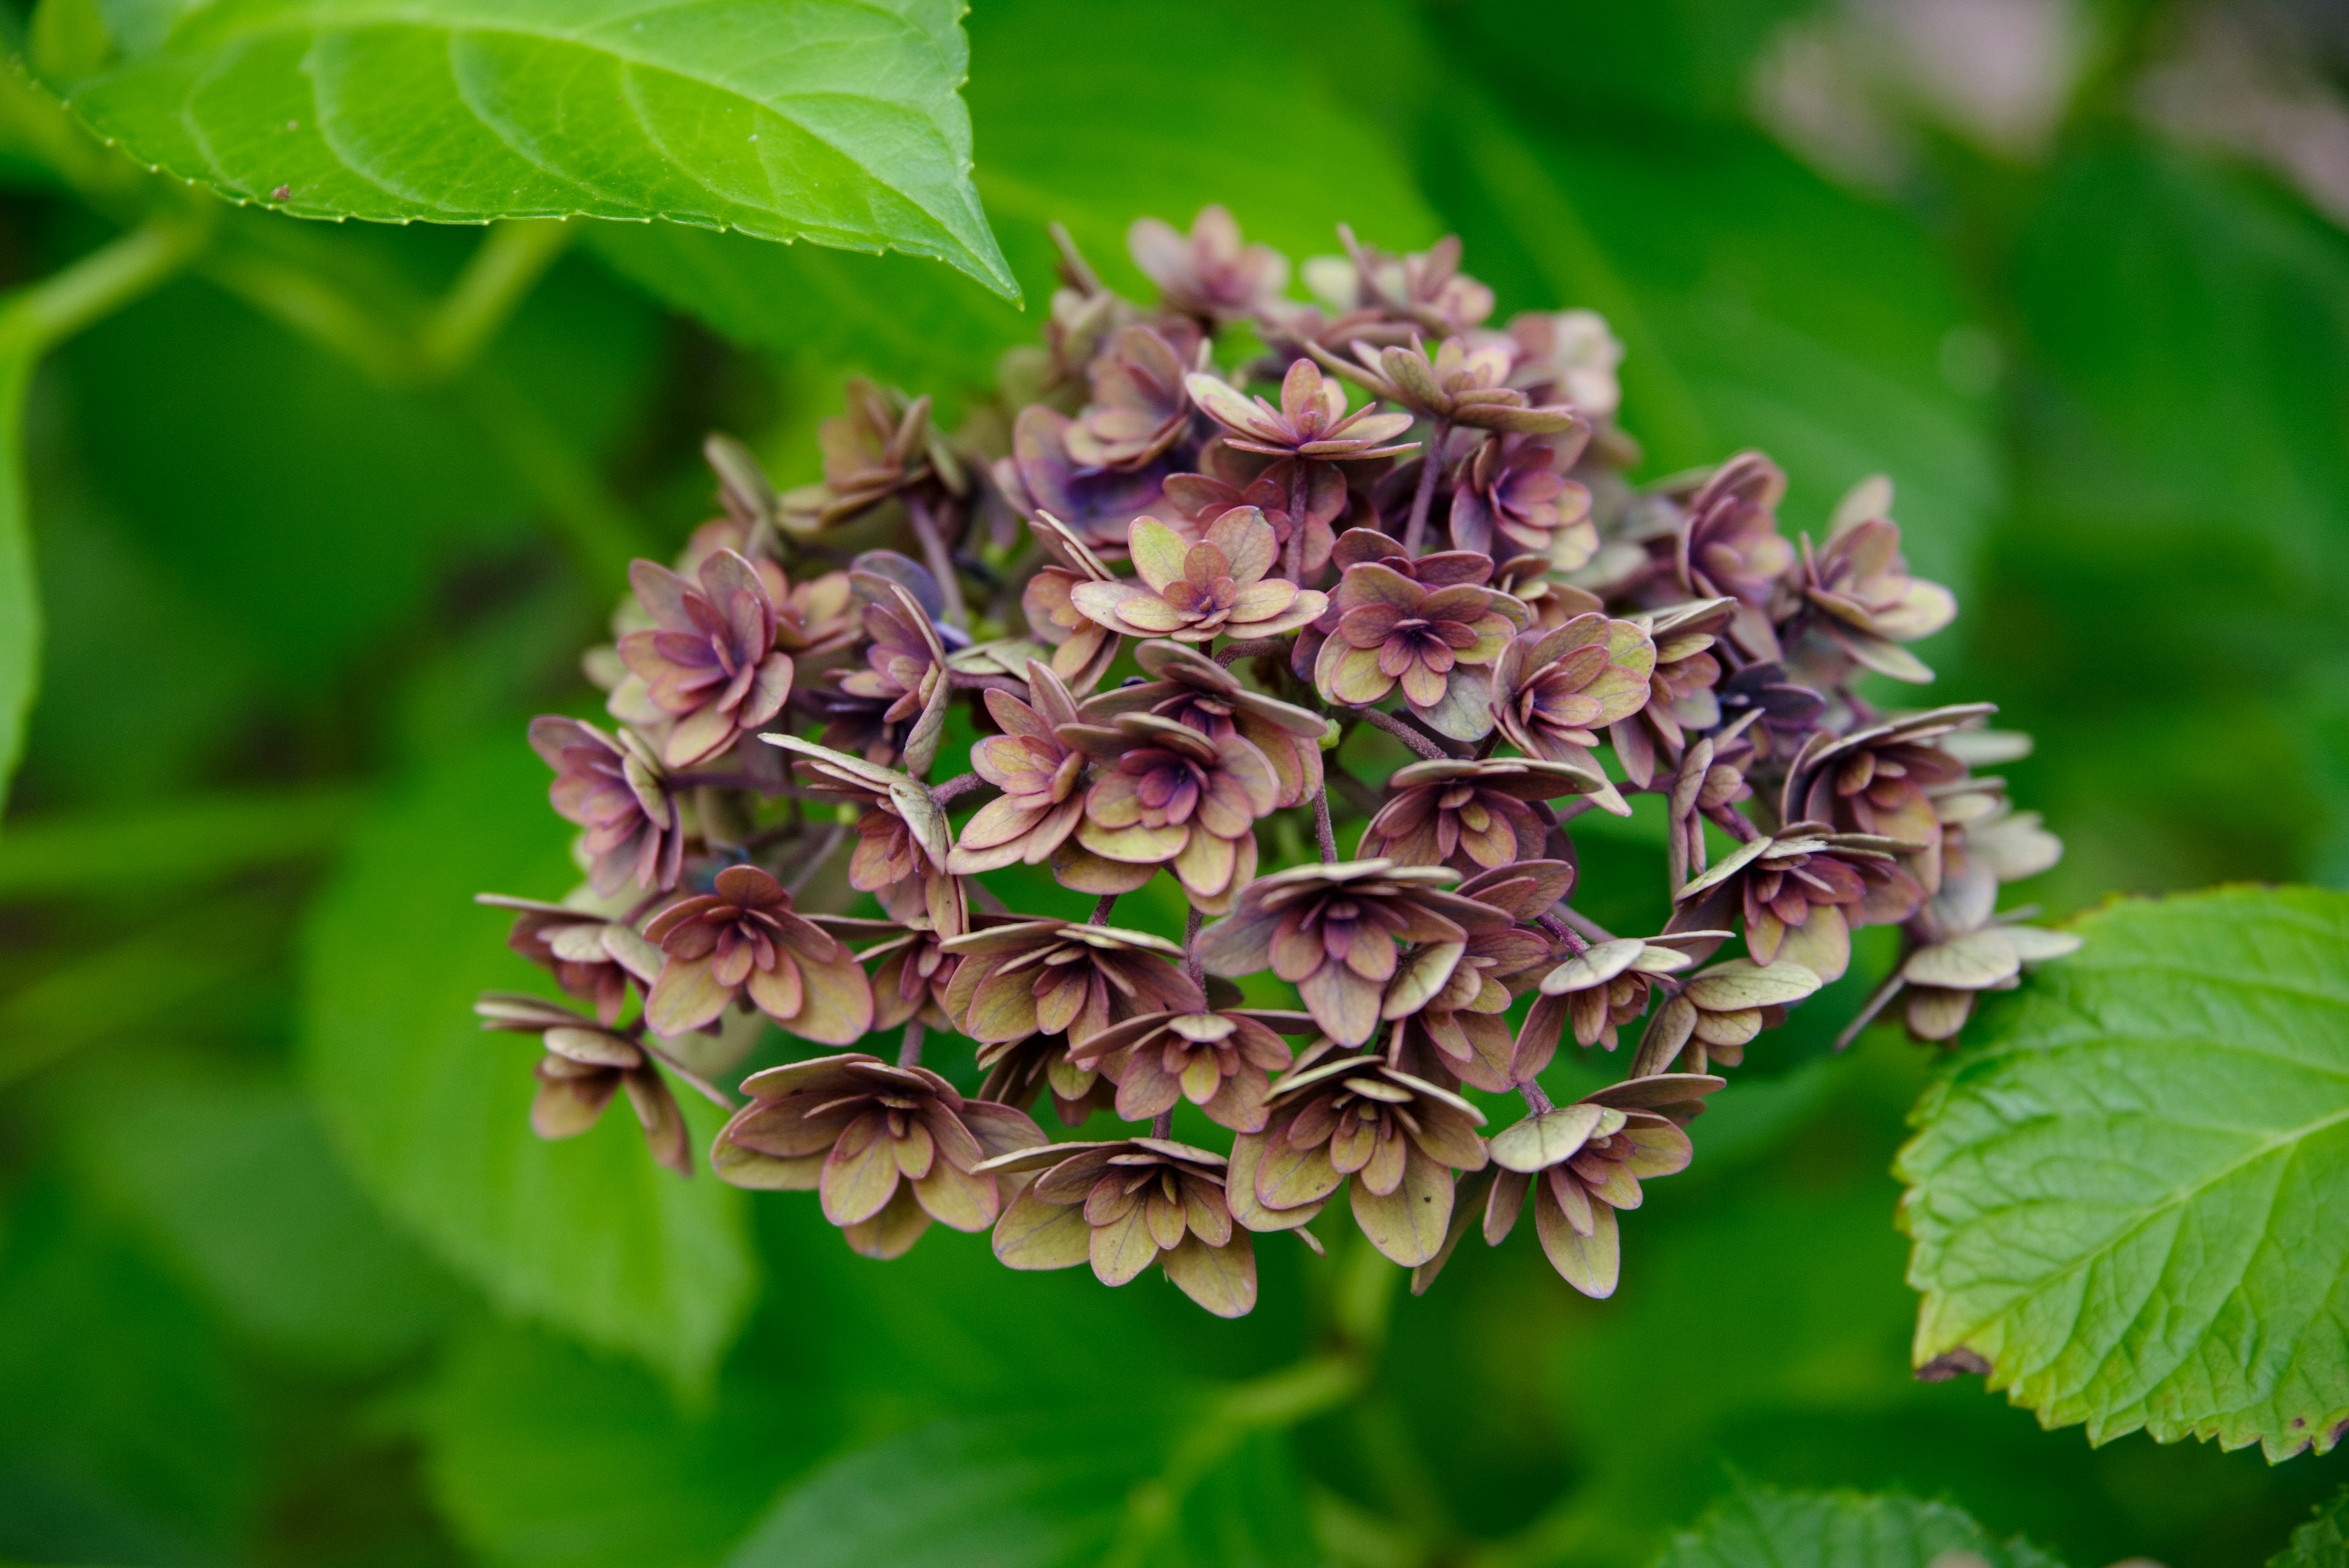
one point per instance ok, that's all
(282, 1279)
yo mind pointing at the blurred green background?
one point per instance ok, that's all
(283, 1278)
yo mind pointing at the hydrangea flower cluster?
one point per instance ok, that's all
(1193, 550)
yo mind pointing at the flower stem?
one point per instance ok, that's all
(1415, 535)
(1588, 928)
(958, 786)
(1418, 740)
(942, 566)
(1100, 916)
(1191, 924)
(1162, 1125)
(1300, 493)
(1322, 831)
(1231, 653)
(815, 862)
(1536, 1100)
(909, 1053)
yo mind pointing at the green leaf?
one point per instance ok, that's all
(220, 441)
(1011, 1491)
(123, 1438)
(2128, 1205)
(20, 601)
(1151, 1483)
(526, 1434)
(1761, 1528)
(1082, 124)
(2322, 1542)
(433, 1115)
(816, 119)
(231, 1176)
(1759, 306)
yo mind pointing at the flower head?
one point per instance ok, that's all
(1056, 977)
(1513, 495)
(711, 662)
(1434, 643)
(1458, 384)
(1681, 696)
(1473, 814)
(1082, 649)
(1584, 1162)
(1139, 407)
(1599, 990)
(1041, 776)
(888, 1148)
(1331, 931)
(905, 678)
(617, 791)
(743, 940)
(1168, 795)
(592, 958)
(1446, 998)
(1554, 691)
(1196, 593)
(902, 837)
(1196, 693)
(1718, 1013)
(1869, 603)
(882, 443)
(1222, 1062)
(1398, 1138)
(1043, 478)
(1209, 272)
(1234, 479)
(1124, 1205)
(1730, 544)
(584, 1067)
(1881, 780)
(1310, 422)
(1570, 357)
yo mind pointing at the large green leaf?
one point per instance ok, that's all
(124, 1437)
(1759, 305)
(434, 1116)
(1008, 1491)
(1077, 123)
(527, 1435)
(819, 120)
(281, 493)
(1760, 1528)
(2322, 1542)
(2128, 1206)
(230, 1176)
(2176, 597)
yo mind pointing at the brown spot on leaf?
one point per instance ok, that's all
(1950, 1364)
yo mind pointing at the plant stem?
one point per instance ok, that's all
(1161, 1125)
(1415, 535)
(1537, 1099)
(602, 536)
(35, 318)
(1300, 494)
(941, 563)
(1322, 831)
(1584, 925)
(1417, 740)
(508, 263)
(1100, 916)
(1231, 653)
(909, 1051)
(816, 862)
(960, 785)
(1191, 924)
